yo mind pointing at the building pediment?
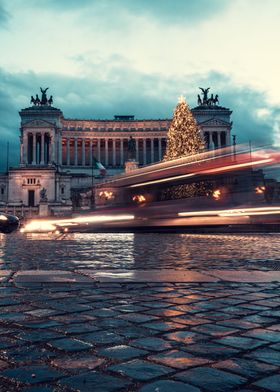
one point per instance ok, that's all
(215, 122)
(38, 124)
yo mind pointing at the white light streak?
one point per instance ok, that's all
(52, 225)
(233, 212)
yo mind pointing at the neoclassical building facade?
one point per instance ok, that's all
(67, 156)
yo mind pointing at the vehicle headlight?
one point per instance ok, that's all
(3, 217)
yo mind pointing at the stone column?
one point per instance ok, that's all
(106, 152)
(52, 149)
(34, 148)
(144, 151)
(24, 149)
(90, 152)
(122, 160)
(228, 141)
(76, 151)
(68, 151)
(152, 151)
(219, 139)
(83, 152)
(42, 148)
(98, 149)
(114, 152)
(137, 149)
(59, 142)
(159, 149)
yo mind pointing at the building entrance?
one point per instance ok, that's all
(31, 198)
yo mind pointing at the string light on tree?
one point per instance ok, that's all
(183, 137)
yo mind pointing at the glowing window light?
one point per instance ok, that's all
(139, 198)
(260, 189)
(107, 195)
(217, 194)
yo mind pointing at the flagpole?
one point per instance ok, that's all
(7, 161)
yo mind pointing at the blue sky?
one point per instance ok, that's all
(106, 57)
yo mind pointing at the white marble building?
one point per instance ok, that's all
(62, 155)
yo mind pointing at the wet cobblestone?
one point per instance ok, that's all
(78, 351)
(191, 337)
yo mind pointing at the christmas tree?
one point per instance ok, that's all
(183, 137)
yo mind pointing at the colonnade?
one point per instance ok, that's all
(37, 148)
(110, 151)
(41, 148)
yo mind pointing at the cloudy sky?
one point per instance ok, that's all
(106, 57)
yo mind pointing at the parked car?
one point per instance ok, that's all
(8, 223)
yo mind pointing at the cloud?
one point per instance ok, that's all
(4, 16)
(165, 11)
(116, 89)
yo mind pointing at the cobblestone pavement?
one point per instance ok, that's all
(189, 337)
(140, 251)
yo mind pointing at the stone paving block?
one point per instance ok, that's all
(246, 367)
(130, 308)
(151, 343)
(39, 389)
(260, 319)
(27, 353)
(241, 342)
(211, 379)
(271, 383)
(137, 317)
(164, 312)
(41, 324)
(39, 336)
(275, 327)
(43, 312)
(103, 313)
(211, 350)
(215, 330)
(190, 320)
(122, 352)
(168, 386)
(141, 370)
(78, 364)
(94, 381)
(7, 342)
(134, 332)
(263, 334)
(267, 355)
(185, 337)
(275, 346)
(13, 316)
(32, 374)
(164, 325)
(112, 323)
(69, 345)
(178, 359)
(238, 324)
(3, 365)
(77, 328)
(101, 338)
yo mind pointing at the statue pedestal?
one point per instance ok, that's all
(43, 208)
(130, 166)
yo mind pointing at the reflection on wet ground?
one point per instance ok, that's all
(140, 251)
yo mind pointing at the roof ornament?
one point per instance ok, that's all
(205, 101)
(44, 101)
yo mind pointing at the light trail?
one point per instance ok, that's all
(52, 225)
(233, 212)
